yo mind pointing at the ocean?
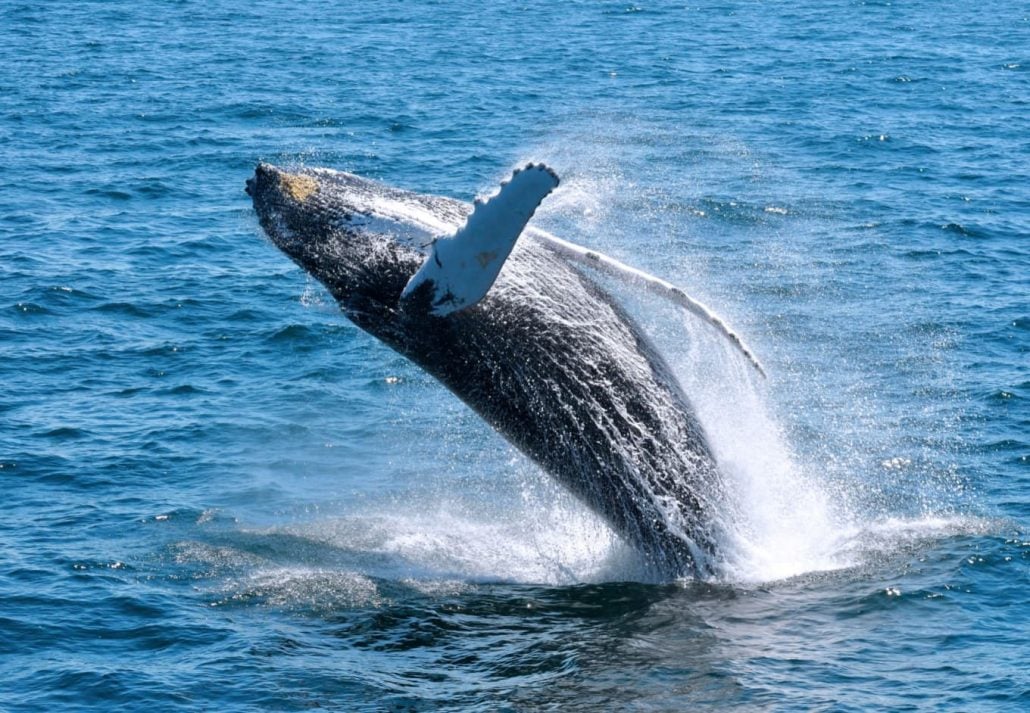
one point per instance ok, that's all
(219, 494)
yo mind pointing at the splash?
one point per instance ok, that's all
(784, 521)
(431, 544)
(789, 511)
(783, 515)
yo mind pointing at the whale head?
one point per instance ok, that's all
(361, 239)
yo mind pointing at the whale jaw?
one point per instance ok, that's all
(325, 222)
(281, 202)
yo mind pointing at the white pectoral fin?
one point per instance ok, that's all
(611, 266)
(463, 267)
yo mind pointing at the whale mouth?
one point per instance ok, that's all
(272, 203)
(263, 173)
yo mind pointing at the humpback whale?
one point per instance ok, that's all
(510, 319)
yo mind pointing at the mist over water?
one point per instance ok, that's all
(221, 494)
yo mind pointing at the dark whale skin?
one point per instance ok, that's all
(547, 358)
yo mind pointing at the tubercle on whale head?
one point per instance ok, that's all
(313, 215)
(284, 203)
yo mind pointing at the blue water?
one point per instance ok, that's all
(219, 494)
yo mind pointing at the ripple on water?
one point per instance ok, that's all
(30, 309)
(219, 494)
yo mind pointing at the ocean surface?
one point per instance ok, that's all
(218, 494)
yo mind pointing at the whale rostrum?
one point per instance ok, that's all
(506, 317)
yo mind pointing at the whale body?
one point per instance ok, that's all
(525, 338)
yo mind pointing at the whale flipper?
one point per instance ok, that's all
(611, 266)
(462, 268)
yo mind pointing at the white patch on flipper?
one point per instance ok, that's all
(463, 267)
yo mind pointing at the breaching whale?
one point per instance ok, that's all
(539, 349)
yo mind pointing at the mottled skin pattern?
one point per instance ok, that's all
(547, 358)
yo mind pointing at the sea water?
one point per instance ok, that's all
(220, 494)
